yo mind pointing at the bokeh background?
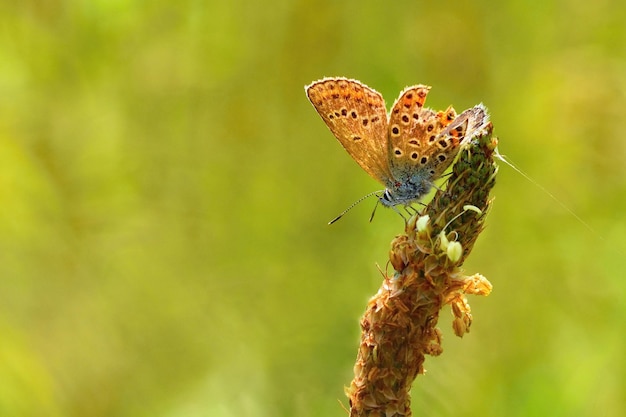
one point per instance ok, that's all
(165, 187)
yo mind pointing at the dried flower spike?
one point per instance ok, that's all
(399, 325)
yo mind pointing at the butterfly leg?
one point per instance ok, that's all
(394, 208)
(374, 211)
(411, 210)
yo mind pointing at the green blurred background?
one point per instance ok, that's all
(165, 187)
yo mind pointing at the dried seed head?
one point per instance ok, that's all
(399, 326)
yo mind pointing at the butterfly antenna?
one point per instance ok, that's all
(376, 193)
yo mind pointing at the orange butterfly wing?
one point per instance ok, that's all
(356, 115)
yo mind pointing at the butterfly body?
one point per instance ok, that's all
(405, 150)
(406, 191)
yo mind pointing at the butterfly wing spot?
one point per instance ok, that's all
(356, 138)
(395, 131)
(414, 142)
(405, 119)
(432, 138)
(424, 160)
(443, 143)
(446, 117)
(365, 121)
(416, 116)
(430, 127)
(441, 157)
(415, 95)
(354, 114)
(414, 156)
(397, 152)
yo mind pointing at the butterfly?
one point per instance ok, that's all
(405, 150)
